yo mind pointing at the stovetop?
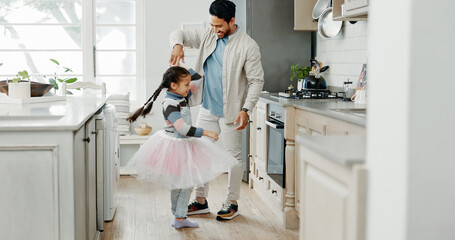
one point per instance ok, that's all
(310, 94)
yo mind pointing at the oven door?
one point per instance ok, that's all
(275, 151)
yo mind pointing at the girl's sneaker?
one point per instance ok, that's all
(197, 208)
(228, 211)
(185, 223)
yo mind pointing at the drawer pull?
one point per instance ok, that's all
(258, 128)
(273, 191)
(260, 178)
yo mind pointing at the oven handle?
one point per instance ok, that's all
(274, 125)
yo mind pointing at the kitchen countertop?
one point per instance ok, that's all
(55, 116)
(320, 106)
(345, 150)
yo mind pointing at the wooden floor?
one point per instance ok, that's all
(145, 213)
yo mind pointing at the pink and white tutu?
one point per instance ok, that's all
(180, 162)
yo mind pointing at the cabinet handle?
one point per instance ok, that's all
(273, 191)
(86, 139)
(249, 155)
(260, 178)
(250, 121)
(258, 128)
(93, 132)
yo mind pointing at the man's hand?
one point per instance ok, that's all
(242, 117)
(177, 55)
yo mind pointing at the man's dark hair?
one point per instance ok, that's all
(223, 9)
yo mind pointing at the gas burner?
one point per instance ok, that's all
(314, 94)
(310, 94)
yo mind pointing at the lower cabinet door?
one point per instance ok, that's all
(325, 206)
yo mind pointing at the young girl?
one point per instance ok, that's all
(177, 156)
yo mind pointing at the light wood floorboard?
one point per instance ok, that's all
(144, 212)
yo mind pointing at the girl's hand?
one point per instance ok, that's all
(210, 134)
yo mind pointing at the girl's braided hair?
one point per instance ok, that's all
(172, 75)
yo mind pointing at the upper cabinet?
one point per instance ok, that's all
(343, 10)
(303, 19)
(350, 10)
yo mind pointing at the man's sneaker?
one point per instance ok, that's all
(196, 208)
(228, 211)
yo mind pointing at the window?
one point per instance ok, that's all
(98, 39)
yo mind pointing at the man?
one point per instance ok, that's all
(233, 78)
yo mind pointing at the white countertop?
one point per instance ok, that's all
(69, 114)
(345, 150)
(320, 106)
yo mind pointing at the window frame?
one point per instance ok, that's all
(88, 31)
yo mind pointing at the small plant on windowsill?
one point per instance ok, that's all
(56, 79)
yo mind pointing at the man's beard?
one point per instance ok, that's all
(228, 30)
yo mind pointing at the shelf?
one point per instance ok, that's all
(343, 18)
(134, 139)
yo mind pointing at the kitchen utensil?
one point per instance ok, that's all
(314, 82)
(359, 96)
(37, 89)
(323, 69)
(327, 28)
(346, 84)
(319, 7)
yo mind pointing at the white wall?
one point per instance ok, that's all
(163, 17)
(345, 54)
(410, 153)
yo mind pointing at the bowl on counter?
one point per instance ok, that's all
(37, 89)
(143, 129)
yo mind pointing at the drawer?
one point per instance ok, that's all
(261, 177)
(275, 190)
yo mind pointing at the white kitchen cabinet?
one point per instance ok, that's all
(333, 194)
(48, 170)
(271, 193)
(303, 18)
(312, 124)
(286, 203)
(354, 10)
(261, 132)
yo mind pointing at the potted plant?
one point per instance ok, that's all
(56, 79)
(299, 73)
(19, 87)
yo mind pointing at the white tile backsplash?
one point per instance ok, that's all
(345, 53)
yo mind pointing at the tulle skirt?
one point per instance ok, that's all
(180, 162)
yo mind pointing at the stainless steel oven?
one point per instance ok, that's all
(276, 144)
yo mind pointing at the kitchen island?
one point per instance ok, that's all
(48, 169)
(305, 117)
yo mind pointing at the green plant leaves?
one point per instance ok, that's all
(70, 80)
(55, 61)
(52, 81)
(56, 78)
(299, 72)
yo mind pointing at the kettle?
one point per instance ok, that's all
(314, 80)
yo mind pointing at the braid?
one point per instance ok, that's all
(149, 104)
(171, 75)
(144, 110)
